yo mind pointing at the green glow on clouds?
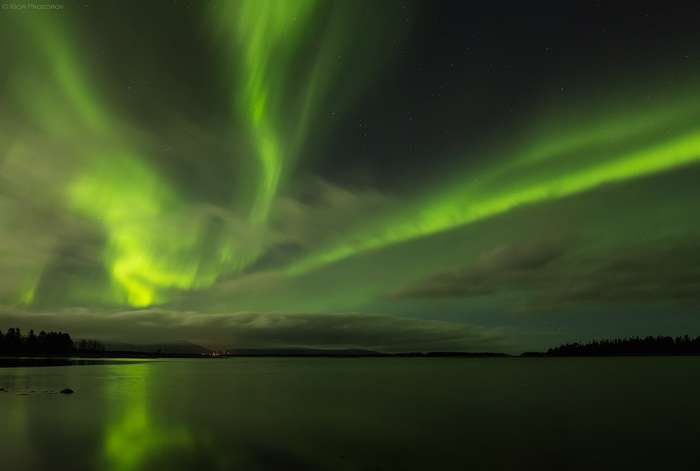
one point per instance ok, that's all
(60, 66)
(129, 200)
(550, 168)
(263, 33)
(158, 241)
(116, 187)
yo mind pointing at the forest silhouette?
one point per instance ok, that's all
(13, 342)
(630, 346)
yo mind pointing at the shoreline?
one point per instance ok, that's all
(43, 360)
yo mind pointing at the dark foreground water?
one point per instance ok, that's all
(354, 414)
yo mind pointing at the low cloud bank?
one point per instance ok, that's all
(264, 330)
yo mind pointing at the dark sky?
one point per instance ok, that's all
(390, 175)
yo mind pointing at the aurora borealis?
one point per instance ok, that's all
(312, 173)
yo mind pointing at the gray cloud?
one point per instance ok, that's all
(259, 330)
(518, 265)
(323, 210)
(554, 275)
(667, 270)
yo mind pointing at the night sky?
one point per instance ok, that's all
(387, 174)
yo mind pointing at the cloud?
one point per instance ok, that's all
(668, 270)
(555, 275)
(265, 330)
(321, 212)
(493, 271)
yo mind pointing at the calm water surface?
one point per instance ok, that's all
(354, 414)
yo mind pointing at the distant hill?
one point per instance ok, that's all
(306, 352)
(350, 352)
(167, 348)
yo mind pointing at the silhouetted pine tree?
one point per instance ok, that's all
(631, 346)
(13, 343)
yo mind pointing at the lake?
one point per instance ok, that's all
(353, 414)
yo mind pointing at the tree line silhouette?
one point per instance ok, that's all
(13, 342)
(631, 346)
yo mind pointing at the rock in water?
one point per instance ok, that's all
(67, 391)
